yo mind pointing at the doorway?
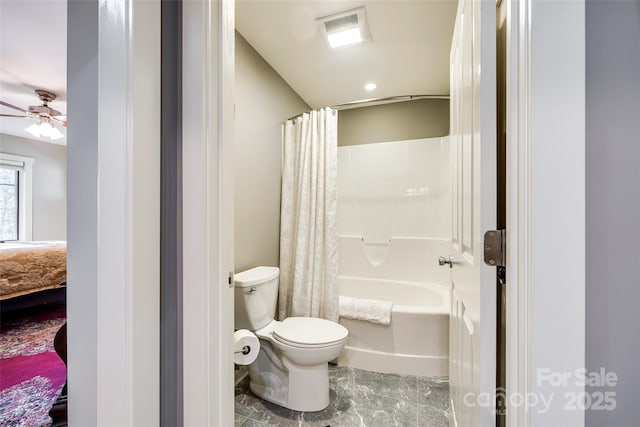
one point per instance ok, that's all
(214, 336)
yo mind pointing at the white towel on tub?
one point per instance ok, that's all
(370, 310)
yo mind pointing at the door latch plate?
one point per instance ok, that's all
(230, 279)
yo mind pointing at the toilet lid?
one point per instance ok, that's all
(309, 332)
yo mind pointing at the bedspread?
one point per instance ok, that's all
(30, 267)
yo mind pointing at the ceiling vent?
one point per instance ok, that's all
(346, 28)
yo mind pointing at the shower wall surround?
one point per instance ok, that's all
(397, 189)
(394, 220)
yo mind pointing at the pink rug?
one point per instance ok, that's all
(31, 373)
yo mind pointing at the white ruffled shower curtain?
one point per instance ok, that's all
(308, 225)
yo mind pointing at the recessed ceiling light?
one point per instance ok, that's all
(370, 86)
(346, 28)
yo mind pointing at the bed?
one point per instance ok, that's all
(28, 271)
(29, 267)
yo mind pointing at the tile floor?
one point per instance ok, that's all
(357, 398)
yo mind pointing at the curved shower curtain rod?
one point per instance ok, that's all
(375, 101)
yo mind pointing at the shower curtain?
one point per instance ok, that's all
(308, 225)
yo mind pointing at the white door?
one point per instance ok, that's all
(473, 154)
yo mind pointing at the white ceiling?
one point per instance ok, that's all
(33, 55)
(408, 53)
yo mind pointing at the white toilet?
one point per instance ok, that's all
(291, 368)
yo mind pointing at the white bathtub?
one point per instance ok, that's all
(417, 340)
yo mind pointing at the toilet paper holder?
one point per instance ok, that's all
(246, 347)
(245, 350)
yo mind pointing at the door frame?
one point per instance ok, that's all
(208, 81)
(114, 212)
(545, 206)
(113, 216)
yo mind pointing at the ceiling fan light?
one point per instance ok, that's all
(46, 129)
(56, 134)
(34, 130)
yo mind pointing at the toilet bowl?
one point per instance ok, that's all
(291, 368)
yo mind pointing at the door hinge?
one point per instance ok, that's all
(495, 250)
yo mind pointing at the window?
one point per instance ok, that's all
(9, 219)
(15, 197)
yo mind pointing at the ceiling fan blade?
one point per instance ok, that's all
(60, 121)
(14, 115)
(12, 106)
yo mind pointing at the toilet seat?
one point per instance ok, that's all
(309, 332)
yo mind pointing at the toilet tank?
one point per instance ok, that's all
(255, 297)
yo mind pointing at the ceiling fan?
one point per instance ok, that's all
(46, 116)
